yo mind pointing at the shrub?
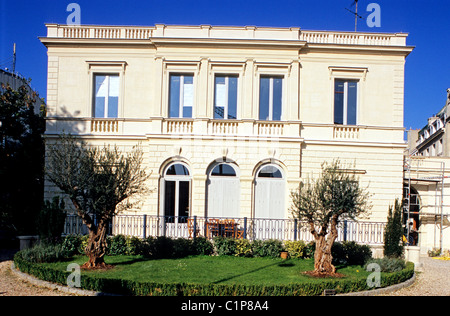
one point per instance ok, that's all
(435, 252)
(267, 248)
(117, 245)
(165, 247)
(388, 264)
(51, 220)
(44, 253)
(71, 244)
(161, 247)
(224, 246)
(393, 245)
(202, 246)
(134, 246)
(243, 248)
(310, 248)
(296, 249)
(350, 253)
(181, 247)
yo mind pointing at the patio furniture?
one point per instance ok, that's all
(223, 228)
(191, 228)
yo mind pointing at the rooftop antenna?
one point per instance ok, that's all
(14, 59)
(355, 13)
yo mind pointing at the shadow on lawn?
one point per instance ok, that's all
(280, 264)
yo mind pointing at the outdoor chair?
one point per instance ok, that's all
(190, 222)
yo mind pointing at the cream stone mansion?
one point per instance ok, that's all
(232, 119)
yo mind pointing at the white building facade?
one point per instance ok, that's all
(232, 119)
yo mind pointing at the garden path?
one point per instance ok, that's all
(433, 281)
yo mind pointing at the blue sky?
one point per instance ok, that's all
(426, 21)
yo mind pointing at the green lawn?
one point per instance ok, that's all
(212, 270)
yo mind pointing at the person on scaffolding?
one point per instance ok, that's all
(413, 233)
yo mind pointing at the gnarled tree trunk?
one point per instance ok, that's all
(322, 255)
(96, 247)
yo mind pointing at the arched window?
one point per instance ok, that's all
(270, 171)
(223, 170)
(175, 186)
(177, 170)
(223, 191)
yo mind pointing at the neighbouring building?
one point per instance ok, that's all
(432, 140)
(232, 119)
(15, 81)
(427, 185)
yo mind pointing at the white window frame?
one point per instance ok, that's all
(106, 109)
(271, 77)
(177, 179)
(181, 94)
(358, 74)
(226, 106)
(106, 68)
(178, 67)
(226, 68)
(345, 101)
(281, 70)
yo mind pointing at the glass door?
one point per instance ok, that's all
(176, 200)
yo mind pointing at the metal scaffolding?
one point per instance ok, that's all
(420, 171)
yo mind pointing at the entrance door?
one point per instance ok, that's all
(176, 200)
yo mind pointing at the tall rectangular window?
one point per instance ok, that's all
(181, 98)
(345, 102)
(270, 98)
(106, 98)
(225, 97)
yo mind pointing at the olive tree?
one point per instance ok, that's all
(100, 183)
(325, 201)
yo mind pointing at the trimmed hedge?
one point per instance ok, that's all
(127, 287)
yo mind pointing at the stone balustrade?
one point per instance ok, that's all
(223, 32)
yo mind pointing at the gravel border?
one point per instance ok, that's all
(52, 286)
(56, 287)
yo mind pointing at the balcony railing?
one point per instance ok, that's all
(105, 126)
(231, 127)
(180, 127)
(143, 226)
(224, 127)
(168, 126)
(346, 132)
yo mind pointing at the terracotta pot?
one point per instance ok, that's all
(284, 255)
